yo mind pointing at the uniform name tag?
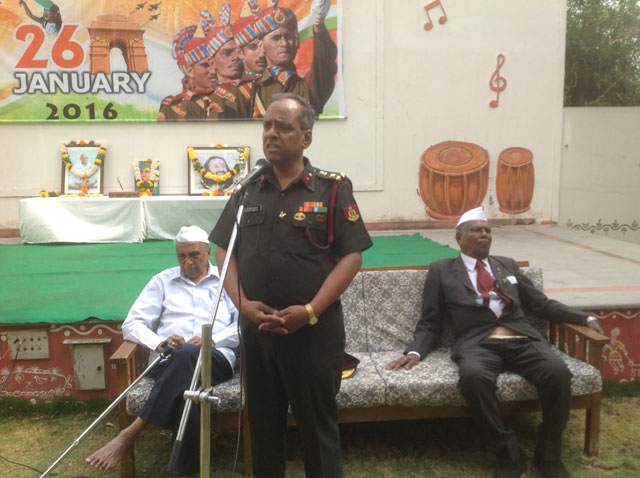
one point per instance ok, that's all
(253, 208)
(512, 279)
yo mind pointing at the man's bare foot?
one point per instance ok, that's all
(112, 453)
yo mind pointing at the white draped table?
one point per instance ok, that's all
(103, 219)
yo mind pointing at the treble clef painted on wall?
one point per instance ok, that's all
(497, 83)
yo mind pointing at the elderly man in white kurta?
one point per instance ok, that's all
(171, 310)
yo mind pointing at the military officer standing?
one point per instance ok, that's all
(299, 246)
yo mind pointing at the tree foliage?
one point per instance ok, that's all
(602, 62)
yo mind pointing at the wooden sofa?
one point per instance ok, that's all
(381, 307)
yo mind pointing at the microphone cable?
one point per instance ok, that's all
(25, 466)
(15, 359)
(240, 406)
(13, 365)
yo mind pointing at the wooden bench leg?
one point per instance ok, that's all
(592, 427)
(127, 464)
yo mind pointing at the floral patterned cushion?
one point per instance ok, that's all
(355, 319)
(393, 301)
(138, 395)
(434, 381)
(364, 388)
(381, 308)
(228, 392)
(535, 275)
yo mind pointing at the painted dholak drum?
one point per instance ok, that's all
(515, 180)
(454, 176)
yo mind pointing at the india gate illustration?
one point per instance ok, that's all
(116, 31)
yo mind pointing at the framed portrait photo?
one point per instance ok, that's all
(82, 168)
(146, 177)
(215, 170)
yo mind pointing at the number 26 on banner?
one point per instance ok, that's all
(64, 44)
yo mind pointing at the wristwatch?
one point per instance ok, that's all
(313, 320)
(591, 318)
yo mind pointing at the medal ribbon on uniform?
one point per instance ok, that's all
(332, 201)
(312, 206)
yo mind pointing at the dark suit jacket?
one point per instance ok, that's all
(449, 295)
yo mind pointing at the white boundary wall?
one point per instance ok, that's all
(600, 180)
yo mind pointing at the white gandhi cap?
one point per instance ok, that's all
(192, 234)
(475, 214)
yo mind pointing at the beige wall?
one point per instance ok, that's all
(406, 89)
(601, 172)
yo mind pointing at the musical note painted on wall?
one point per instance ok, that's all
(497, 83)
(443, 18)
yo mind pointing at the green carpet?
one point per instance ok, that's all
(69, 283)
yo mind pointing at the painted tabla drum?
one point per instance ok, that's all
(454, 176)
(515, 180)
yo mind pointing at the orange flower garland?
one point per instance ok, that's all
(97, 162)
(218, 178)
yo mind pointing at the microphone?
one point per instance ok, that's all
(261, 167)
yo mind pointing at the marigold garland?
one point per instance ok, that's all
(146, 188)
(97, 162)
(81, 195)
(217, 178)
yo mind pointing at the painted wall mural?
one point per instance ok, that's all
(57, 376)
(497, 83)
(454, 176)
(599, 226)
(515, 180)
(443, 15)
(621, 356)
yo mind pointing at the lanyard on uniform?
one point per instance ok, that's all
(332, 201)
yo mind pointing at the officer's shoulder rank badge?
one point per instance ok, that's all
(351, 213)
(331, 175)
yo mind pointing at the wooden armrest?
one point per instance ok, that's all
(130, 360)
(126, 351)
(587, 332)
(578, 341)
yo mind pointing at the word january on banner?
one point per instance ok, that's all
(73, 82)
(170, 60)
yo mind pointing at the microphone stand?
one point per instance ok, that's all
(203, 395)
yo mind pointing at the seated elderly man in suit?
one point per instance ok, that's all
(485, 298)
(171, 310)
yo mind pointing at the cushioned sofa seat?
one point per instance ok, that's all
(228, 392)
(365, 388)
(434, 381)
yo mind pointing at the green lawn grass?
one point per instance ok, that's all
(36, 435)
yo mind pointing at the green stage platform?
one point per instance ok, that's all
(70, 283)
